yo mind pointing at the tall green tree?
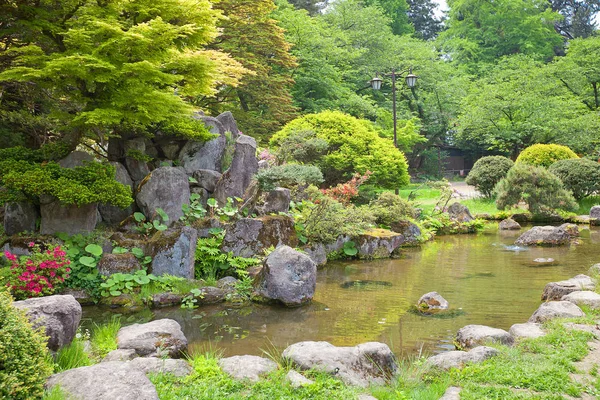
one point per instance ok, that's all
(578, 17)
(262, 103)
(421, 14)
(397, 11)
(96, 69)
(312, 6)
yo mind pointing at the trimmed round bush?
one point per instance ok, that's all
(536, 186)
(487, 172)
(580, 175)
(353, 145)
(389, 208)
(544, 155)
(24, 360)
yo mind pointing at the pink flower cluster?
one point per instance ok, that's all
(39, 274)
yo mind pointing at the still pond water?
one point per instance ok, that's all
(485, 280)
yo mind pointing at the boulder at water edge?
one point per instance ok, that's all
(173, 252)
(409, 230)
(244, 166)
(247, 367)
(526, 331)
(595, 212)
(20, 217)
(362, 365)
(556, 290)
(109, 380)
(432, 302)
(585, 297)
(556, 309)
(378, 243)
(509, 224)
(248, 237)
(544, 236)
(475, 335)
(459, 213)
(153, 339)
(166, 188)
(287, 276)
(58, 314)
(458, 359)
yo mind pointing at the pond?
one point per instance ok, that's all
(485, 279)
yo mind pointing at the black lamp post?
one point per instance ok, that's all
(411, 81)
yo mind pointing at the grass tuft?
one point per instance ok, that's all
(104, 337)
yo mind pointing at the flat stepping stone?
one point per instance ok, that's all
(474, 335)
(458, 359)
(297, 380)
(527, 330)
(556, 290)
(247, 367)
(556, 309)
(152, 365)
(156, 338)
(585, 297)
(452, 393)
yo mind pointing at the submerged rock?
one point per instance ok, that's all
(556, 309)
(59, 315)
(556, 290)
(287, 276)
(247, 367)
(585, 297)
(544, 236)
(362, 365)
(156, 338)
(458, 359)
(526, 331)
(109, 380)
(474, 335)
(509, 224)
(432, 302)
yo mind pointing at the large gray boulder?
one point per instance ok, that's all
(167, 188)
(69, 219)
(409, 230)
(20, 217)
(459, 359)
(585, 297)
(109, 380)
(475, 335)
(277, 201)
(432, 302)
(247, 367)
(317, 253)
(138, 169)
(112, 214)
(556, 309)
(544, 236)
(509, 224)
(59, 315)
(205, 155)
(595, 212)
(459, 213)
(362, 365)
(153, 339)
(378, 243)
(244, 167)
(287, 276)
(207, 179)
(248, 237)
(153, 365)
(556, 290)
(76, 159)
(527, 330)
(229, 125)
(173, 252)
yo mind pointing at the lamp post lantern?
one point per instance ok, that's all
(410, 80)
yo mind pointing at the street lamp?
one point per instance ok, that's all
(410, 80)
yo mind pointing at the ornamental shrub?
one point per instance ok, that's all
(40, 274)
(345, 192)
(536, 186)
(302, 146)
(354, 146)
(544, 155)
(579, 175)
(389, 208)
(24, 361)
(487, 172)
(289, 175)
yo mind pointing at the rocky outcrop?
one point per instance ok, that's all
(207, 179)
(475, 335)
(556, 309)
(459, 359)
(459, 213)
(247, 367)
(362, 365)
(69, 219)
(277, 201)
(229, 124)
(76, 159)
(509, 224)
(125, 263)
(432, 302)
(154, 339)
(544, 236)
(378, 243)
(59, 315)
(109, 380)
(134, 150)
(153, 365)
(287, 276)
(556, 290)
(173, 252)
(248, 237)
(526, 331)
(20, 217)
(244, 167)
(112, 214)
(585, 297)
(595, 212)
(409, 230)
(203, 155)
(166, 188)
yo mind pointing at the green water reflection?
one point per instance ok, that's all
(369, 301)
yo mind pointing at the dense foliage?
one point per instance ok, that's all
(487, 172)
(24, 360)
(354, 146)
(540, 189)
(544, 155)
(289, 175)
(389, 208)
(579, 175)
